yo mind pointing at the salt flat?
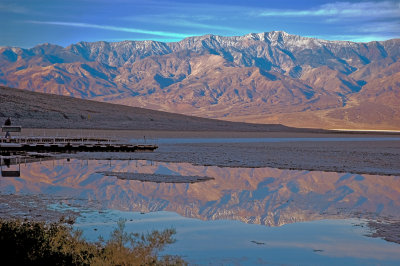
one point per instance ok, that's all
(334, 152)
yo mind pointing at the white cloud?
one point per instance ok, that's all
(378, 27)
(352, 37)
(190, 24)
(13, 8)
(341, 9)
(180, 21)
(113, 28)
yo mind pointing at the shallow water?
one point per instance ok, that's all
(230, 242)
(312, 216)
(256, 140)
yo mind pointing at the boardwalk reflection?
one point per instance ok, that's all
(10, 166)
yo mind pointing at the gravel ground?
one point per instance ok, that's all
(388, 230)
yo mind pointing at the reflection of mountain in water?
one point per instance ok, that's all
(253, 195)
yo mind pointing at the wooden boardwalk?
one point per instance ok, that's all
(68, 144)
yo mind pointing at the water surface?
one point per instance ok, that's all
(244, 215)
(267, 140)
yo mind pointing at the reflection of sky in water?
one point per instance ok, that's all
(251, 195)
(326, 242)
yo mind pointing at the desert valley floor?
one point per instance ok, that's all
(267, 185)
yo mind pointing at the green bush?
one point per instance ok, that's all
(38, 243)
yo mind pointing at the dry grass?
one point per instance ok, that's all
(38, 243)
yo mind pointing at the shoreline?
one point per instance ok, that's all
(297, 153)
(226, 133)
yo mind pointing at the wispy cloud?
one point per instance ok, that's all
(388, 27)
(340, 9)
(352, 37)
(13, 8)
(181, 22)
(191, 24)
(169, 40)
(113, 28)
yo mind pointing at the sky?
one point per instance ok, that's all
(26, 23)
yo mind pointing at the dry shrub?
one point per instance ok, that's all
(38, 243)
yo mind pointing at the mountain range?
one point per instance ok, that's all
(270, 77)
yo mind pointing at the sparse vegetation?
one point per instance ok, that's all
(39, 243)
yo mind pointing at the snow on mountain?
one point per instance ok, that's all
(259, 77)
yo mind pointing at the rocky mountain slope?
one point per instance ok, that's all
(40, 110)
(271, 77)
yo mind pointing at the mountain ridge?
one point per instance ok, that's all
(257, 77)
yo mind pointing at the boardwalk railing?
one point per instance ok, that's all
(55, 140)
(67, 144)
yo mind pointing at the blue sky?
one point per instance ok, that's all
(26, 23)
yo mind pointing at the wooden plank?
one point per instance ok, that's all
(11, 129)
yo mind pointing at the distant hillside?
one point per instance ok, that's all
(41, 110)
(270, 77)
